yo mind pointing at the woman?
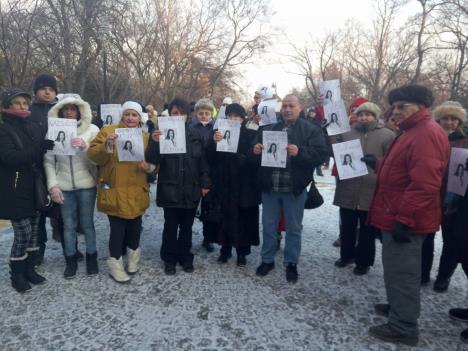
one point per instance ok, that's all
(123, 192)
(234, 182)
(71, 181)
(354, 195)
(128, 147)
(348, 161)
(60, 140)
(451, 116)
(227, 137)
(334, 119)
(21, 150)
(171, 136)
(182, 180)
(272, 150)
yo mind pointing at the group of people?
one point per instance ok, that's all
(402, 200)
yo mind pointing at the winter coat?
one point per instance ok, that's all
(235, 188)
(205, 131)
(39, 111)
(409, 177)
(312, 153)
(123, 189)
(16, 166)
(78, 171)
(181, 176)
(356, 193)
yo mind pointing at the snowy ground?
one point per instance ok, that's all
(218, 307)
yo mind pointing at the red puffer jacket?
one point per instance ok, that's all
(410, 177)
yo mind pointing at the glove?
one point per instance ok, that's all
(401, 232)
(56, 194)
(370, 160)
(47, 144)
(79, 143)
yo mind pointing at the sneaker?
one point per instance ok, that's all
(169, 269)
(223, 258)
(264, 268)
(464, 336)
(386, 333)
(361, 270)
(207, 245)
(241, 260)
(459, 314)
(441, 285)
(291, 273)
(343, 263)
(382, 309)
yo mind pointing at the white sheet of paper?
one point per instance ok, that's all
(331, 91)
(130, 144)
(458, 171)
(274, 153)
(221, 112)
(267, 112)
(110, 114)
(230, 130)
(144, 117)
(172, 140)
(336, 114)
(348, 159)
(61, 131)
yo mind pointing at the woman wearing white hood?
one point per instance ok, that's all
(72, 183)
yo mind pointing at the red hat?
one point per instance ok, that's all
(358, 102)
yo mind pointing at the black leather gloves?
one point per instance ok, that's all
(370, 160)
(47, 144)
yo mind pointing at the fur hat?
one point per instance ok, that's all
(369, 107)
(450, 108)
(10, 94)
(45, 80)
(205, 104)
(235, 108)
(417, 94)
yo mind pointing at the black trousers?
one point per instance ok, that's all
(227, 250)
(41, 231)
(122, 231)
(364, 251)
(427, 257)
(452, 253)
(177, 235)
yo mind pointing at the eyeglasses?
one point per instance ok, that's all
(401, 106)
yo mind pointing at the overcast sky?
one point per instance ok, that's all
(298, 18)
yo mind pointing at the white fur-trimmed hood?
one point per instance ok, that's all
(83, 107)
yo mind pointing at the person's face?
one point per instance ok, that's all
(70, 112)
(449, 123)
(175, 111)
(235, 117)
(391, 123)
(227, 134)
(273, 148)
(365, 117)
(290, 109)
(61, 136)
(333, 117)
(171, 134)
(204, 115)
(311, 114)
(347, 159)
(94, 113)
(352, 111)
(129, 145)
(45, 94)
(402, 110)
(257, 97)
(131, 118)
(19, 103)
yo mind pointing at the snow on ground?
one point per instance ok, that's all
(218, 307)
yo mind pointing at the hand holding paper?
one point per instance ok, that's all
(217, 136)
(110, 141)
(78, 143)
(293, 150)
(257, 150)
(56, 194)
(155, 135)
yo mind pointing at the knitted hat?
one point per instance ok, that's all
(132, 105)
(450, 108)
(417, 94)
(236, 109)
(45, 80)
(10, 94)
(369, 107)
(205, 104)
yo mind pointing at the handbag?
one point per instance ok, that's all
(314, 198)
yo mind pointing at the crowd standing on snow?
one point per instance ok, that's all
(402, 201)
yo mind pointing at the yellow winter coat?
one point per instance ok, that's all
(123, 189)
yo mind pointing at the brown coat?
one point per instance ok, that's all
(127, 195)
(356, 193)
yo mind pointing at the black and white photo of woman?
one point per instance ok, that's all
(128, 147)
(170, 135)
(272, 150)
(334, 119)
(60, 140)
(227, 137)
(460, 172)
(328, 96)
(108, 120)
(348, 161)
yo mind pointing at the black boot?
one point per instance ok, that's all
(79, 256)
(40, 255)
(31, 274)
(207, 245)
(70, 269)
(18, 276)
(91, 264)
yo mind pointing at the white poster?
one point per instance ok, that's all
(230, 131)
(457, 179)
(144, 117)
(348, 159)
(110, 114)
(172, 139)
(267, 112)
(330, 90)
(221, 112)
(275, 153)
(130, 144)
(61, 131)
(337, 117)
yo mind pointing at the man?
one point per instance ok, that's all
(285, 188)
(406, 207)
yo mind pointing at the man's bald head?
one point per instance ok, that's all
(291, 108)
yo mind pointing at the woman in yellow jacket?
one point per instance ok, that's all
(123, 192)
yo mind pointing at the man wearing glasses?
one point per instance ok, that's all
(407, 206)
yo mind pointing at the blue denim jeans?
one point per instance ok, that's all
(293, 208)
(78, 202)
